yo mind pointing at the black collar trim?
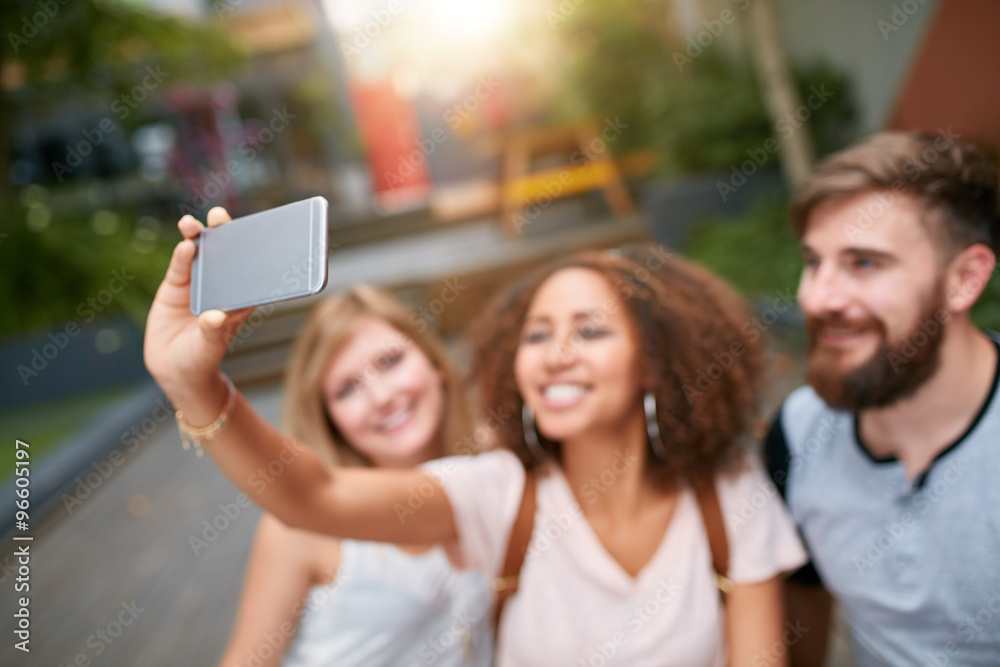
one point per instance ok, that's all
(922, 477)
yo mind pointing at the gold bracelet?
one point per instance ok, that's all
(191, 435)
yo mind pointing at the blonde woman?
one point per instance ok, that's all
(364, 388)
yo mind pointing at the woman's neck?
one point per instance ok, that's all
(605, 469)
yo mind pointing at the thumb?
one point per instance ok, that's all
(220, 326)
(212, 325)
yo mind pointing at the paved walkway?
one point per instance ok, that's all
(124, 556)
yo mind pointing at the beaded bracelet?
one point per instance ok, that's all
(196, 436)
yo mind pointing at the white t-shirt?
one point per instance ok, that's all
(575, 605)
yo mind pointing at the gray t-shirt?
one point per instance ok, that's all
(915, 564)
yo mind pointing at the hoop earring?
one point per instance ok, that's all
(653, 426)
(530, 434)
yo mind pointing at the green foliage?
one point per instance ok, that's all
(831, 127)
(86, 52)
(51, 273)
(759, 254)
(623, 59)
(101, 44)
(986, 312)
(707, 119)
(756, 252)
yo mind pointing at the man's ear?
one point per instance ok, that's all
(967, 276)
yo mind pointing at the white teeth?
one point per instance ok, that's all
(394, 420)
(563, 392)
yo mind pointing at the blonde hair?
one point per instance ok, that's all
(329, 326)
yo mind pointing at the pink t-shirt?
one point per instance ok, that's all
(575, 605)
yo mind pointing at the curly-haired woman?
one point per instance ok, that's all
(593, 367)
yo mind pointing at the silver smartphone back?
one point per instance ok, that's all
(271, 256)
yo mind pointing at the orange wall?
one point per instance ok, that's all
(955, 77)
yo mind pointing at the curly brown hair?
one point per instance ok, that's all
(702, 370)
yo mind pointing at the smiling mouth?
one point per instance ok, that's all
(841, 336)
(396, 420)
(562, 394)
(841, 332)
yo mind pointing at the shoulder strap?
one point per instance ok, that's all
(505, 586)
(715, 527)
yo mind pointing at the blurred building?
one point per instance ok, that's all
(913, 64)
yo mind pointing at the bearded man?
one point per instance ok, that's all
(889, 461)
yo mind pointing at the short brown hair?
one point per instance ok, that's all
(954, 181)
(685, 319)
(329, 326)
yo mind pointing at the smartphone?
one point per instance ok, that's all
(266, 257)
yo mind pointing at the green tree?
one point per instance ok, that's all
(93, 51)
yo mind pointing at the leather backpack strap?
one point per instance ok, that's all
(505, 586)
(715, 527)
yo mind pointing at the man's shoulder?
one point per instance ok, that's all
(802, 410)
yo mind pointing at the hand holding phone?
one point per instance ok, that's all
(262, 258)
(183, 351)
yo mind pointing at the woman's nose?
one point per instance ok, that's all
(561, 351)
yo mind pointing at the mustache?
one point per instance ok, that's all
(837, 321)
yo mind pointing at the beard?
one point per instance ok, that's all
(894, 372)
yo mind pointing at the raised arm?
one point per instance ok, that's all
(183, 352)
